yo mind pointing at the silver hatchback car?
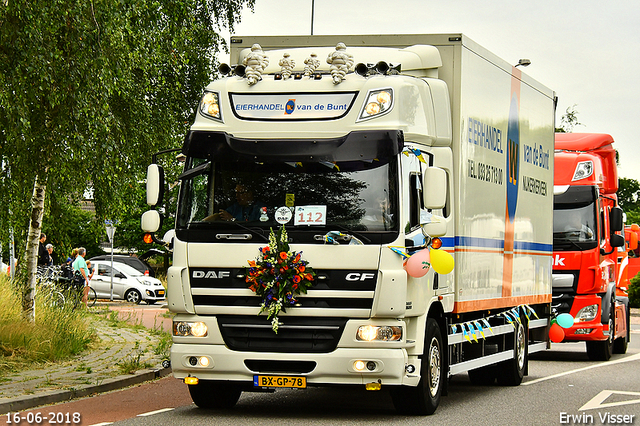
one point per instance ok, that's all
(128, 283)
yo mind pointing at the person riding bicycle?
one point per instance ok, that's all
(82, 272)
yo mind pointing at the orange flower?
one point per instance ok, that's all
(301, 268)
(252, 263)
(297, 259)
(283, 255)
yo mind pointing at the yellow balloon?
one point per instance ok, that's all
(441, 261)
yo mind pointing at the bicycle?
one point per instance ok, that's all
(76, 292)
(46, 285)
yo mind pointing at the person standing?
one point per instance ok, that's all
(50, 251)
(80, 266)
(43, 254)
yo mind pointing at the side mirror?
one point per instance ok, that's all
(432, 225)
(155, 184)
(434, 192)
(617, 240)
(151, 221)
(616, 222)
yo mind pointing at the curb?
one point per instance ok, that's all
(52, 397)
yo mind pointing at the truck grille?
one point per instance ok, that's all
(562, 296)
(313, 325)
(295, 334)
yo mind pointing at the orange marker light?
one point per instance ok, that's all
(436, 243)
(148, 238)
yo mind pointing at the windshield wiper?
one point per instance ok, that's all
(349, 234)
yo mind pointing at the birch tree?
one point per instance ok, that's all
(88, 90)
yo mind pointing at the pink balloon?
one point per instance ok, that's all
(418, 264)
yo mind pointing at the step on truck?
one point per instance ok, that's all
(361, 210)
(589, 281)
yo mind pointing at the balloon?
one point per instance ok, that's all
(564, 320)
(556, 333)
(441, 261)
(418, 264)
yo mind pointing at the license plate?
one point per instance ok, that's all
(280, 382)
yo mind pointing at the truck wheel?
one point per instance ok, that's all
(511, 372)
(424, 398)
(601, 350)
(621, 343)
(215, 395)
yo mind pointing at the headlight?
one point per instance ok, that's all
(584, 169)
(588, 313)
(378, 102)
(188, 328)
(210, 105)
(385, 333)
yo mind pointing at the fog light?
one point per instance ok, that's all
(204, 361)
(583, 331)
(359, 365)
(193, 361)
(371, 366)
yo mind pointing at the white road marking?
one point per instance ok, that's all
(598, 400)
(151, 413)
(635, 357)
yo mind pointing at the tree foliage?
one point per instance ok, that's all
(569, 120)
(629, 199)
(89, 89)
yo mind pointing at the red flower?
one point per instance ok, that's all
(297, 259)
(296, 279)
(265, 249)
(301, 268)
(283, 255)
(295, 286)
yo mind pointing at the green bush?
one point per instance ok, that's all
(634, 292)
(56, 334)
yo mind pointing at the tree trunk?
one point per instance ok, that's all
(31, 254)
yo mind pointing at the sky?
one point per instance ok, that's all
(587, 51)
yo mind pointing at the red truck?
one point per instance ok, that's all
(588, 282)
(632, 236)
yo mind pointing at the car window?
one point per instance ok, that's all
(128, 270)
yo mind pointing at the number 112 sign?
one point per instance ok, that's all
(310, 215)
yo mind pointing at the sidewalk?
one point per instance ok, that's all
(93, 372)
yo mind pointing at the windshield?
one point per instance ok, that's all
(575, 219)
(312, 197)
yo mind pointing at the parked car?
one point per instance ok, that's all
(128, 283)
(132, 261)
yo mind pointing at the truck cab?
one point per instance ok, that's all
(587, 226)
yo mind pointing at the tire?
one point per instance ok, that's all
(150, 302)
(133, 296)
(601, 350)
(511, 372)
(425, 398)
(215, 395)
(91, 297)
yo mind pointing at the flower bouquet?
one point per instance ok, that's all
(278, 275)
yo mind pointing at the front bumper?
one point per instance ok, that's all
(335, 368)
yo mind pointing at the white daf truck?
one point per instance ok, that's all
(366, 150)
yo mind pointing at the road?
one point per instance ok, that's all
(562, 382)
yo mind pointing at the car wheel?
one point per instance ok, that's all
(133, 296)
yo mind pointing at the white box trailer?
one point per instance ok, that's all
(434, 140)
